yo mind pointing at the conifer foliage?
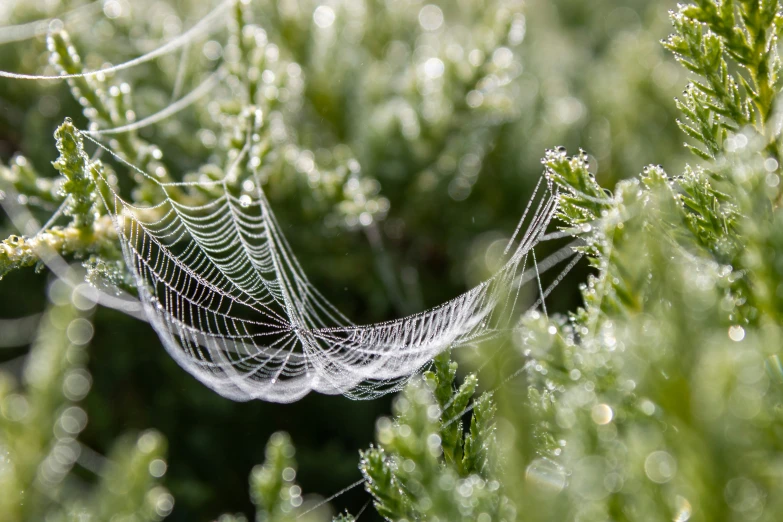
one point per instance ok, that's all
(40, 424)
(660, 397)
(424, 468)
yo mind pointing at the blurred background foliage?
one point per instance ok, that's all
(437, 112)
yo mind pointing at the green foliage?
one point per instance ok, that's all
(272, 485)
(274, 491)
(90, 232)
(40, 421)
(23, 177)
(638, 387)
(74, 165)
(647, 399)
(423, 468)
(731, 47)
(660, 398)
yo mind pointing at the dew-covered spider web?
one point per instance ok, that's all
(223, 289)
(228, 298)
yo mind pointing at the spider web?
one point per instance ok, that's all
(232, 305)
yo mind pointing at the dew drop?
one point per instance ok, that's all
(736, 333)
(602, 414)
(431, 17)
(323, 16)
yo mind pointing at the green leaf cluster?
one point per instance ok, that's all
(424, 468)
(40, 422)
(659, 398)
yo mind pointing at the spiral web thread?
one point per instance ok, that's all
(232, 305)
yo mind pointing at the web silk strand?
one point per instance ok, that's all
(205, 26)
